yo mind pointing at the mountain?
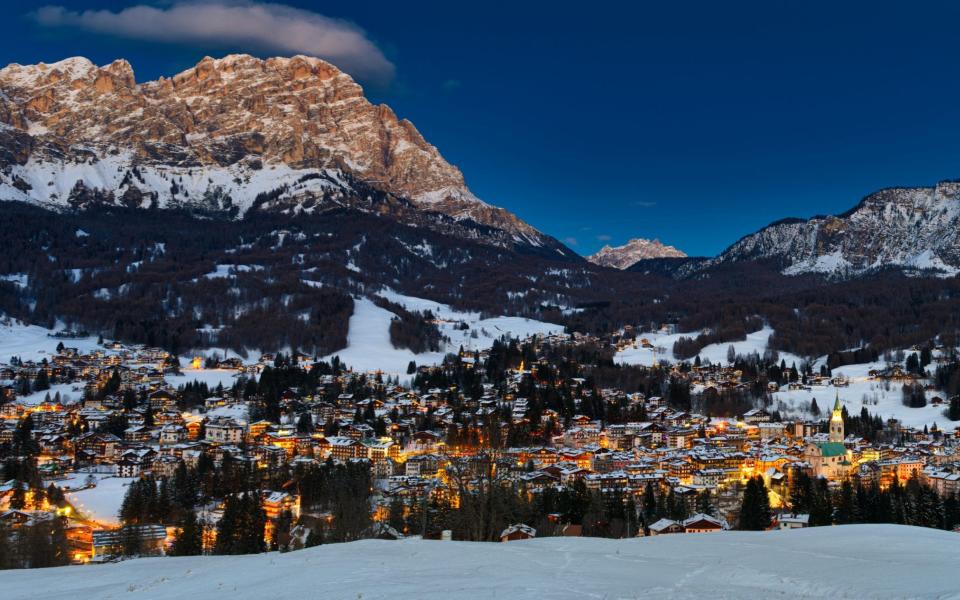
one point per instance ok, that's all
(227, 137)
(916, 230)
(622, 257)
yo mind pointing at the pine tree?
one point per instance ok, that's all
(241, 528)
(846, 505)
(42, 381)
(814, 409)
(649, 504)
(704, 502)
(6, 549)
(18, 499)
(314, 538)
(189, 540)
(305, 423)
(395, 516)
(755, 509)
(821, 511)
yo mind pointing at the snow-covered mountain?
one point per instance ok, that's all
(847, 561)
(622, 257)
(914, 229)
(226, 136)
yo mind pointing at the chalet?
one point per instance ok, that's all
(172, 434)
(756, 415)
(164, 466)
(665, 526)
(792, 521)
(518, 532)
(137, 433)
(703, 523)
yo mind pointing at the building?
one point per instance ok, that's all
(830, 459)
(518, 532)
(224, 431)
(703, 523)
(665, 526)
(792, 521)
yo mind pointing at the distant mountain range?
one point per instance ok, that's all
(913, 229)
(237, 136)
(622, 257)
(129, 198)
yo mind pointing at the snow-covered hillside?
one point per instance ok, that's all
(914, 229)
(853, 561)
(368, 340)
(879, 397)
(662, 348)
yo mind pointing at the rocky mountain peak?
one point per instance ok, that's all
(914, 229)
(627, 255)
(236, 127)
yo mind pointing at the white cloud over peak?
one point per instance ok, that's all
(254, 26)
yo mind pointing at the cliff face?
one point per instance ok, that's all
(915, 229)
(295, 131)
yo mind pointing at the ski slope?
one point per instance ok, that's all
(755, 342)
(368, 339)
(853, 561)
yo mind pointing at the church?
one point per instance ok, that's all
(830, 459)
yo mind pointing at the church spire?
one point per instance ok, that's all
(836, 421)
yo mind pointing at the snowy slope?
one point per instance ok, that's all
(879, 397)
(756, 342)
(368, 339)
(101, 502)
(854, 561)
(31, 342)
(914, 229)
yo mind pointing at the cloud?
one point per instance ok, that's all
(604, 237)
(257, 26)
(570, 241)
(643, 204)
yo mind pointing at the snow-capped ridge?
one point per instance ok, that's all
(914, 229)
(222, 120)
(629, 254)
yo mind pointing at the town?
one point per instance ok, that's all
(105, 457)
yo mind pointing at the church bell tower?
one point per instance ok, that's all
(836, 422)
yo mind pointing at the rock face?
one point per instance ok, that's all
(623, 257)
(226, 135)
(914, 229)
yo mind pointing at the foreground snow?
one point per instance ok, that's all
(857, 561)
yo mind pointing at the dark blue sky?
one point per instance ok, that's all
(689, 121)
